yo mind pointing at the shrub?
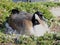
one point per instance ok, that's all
(6, 6)
(49, 39)
(50, 4)
(5, 38)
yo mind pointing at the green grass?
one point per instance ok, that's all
(47, 39)
(5, 9)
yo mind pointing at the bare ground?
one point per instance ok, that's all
(55, 11)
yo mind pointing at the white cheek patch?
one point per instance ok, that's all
(37, 17)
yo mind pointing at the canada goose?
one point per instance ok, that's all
(39, 25)
(25, 23)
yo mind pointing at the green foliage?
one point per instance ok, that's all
(7, 5)
(50, 4)
(47, 39)
(5, 38)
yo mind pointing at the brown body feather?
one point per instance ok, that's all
(21, 22)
